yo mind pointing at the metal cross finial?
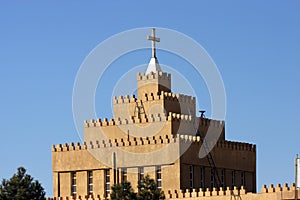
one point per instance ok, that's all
(153, 39)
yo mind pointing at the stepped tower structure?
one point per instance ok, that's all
(158, 133)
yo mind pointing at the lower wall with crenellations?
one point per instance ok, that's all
(267, 193)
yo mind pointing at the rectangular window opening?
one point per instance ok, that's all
(73, 183)
(141, 173)
(107, 182)
(212, 178)
(158, 177)
(202, 177)
(90, 182)
(191, 176)
(232, 178)
(223, 178)
(123, 174)
(243, 178)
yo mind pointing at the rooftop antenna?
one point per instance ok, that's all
(202, 113)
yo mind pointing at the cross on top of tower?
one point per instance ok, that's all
(153, 39)
(153, 65)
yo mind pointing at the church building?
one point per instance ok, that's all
(158, 133)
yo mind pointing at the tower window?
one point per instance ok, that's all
(191, 176)
(212, 178)
(202, 177)
(243, 178)
(107, 182)
(158, 177)
(73, 183)
(223, 178)
(58, 184)
(141, 173)
(124, 174)
(90, 182)
(233, 178)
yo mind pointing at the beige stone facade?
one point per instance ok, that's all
(157, 133)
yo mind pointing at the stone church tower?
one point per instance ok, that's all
(156, 133)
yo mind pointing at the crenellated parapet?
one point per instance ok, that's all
(79, 197)
(68, 147)
(241, 146)
(189, 138)
(122, 142)
(158, 117)
(154, 102)
(133, 120)
(181, 98)
(210, 122)
(221, 144)
(271, 192)
(124, 99)
(137, 141)
(151, 76)
(278, 188)
(214, 192)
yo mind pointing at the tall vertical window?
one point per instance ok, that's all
(90, 182)
(212, 178)
(73, 183)
(191, 176)
(141, 173)
(58, 184)
(107, 182)
(243, 178)
(233, 178)
(202, 177)
(158, 177)
(124, 174)
(223, 178)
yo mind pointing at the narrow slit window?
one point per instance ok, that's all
(107, 182)
(232, 178)
(73, 183)
(90, 182)
(124, 174)
(141, 173)
(191, 176)
(243, 178)
(223, 178)
(212, 178)
(202, 177)
(158, 177)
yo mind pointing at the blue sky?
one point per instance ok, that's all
(255, 44)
